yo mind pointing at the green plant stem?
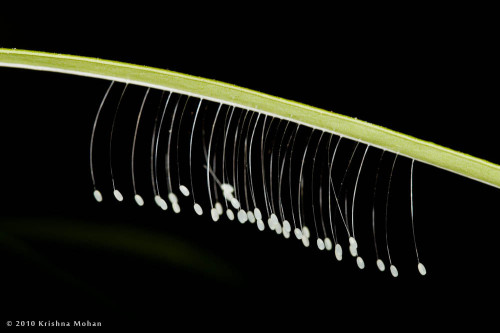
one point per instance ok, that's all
(377, 136)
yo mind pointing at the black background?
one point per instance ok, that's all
(423, 72)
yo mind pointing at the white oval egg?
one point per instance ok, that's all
(338, 252)
(242, 216)
(172, 197)
(270, 223)
(394, 271)
(274, 218)
(353, 250)
(251, 217)
(278, 228)
(230, 214)
(97, 196)
(219, 208)
(228, 188)
(118, 195)
(298, 233)
(360, 262)
(160, 202)
(287, 226)
(306, 232)
(139, 200)
(380, 265)
(328, 244)
(260, 225)
(421, 268)
(286, 234)
(235, 203)
(257, 213)
(184, 190)
(215, 214)
(353, 242)
(176, 208)
(198, 209)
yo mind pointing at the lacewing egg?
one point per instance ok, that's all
(380, 265)
(421, 269)
(184, 190)
(160, 202)
(360, 262)
(257, 214)
(242, 216)
(287, 227)
(286, 234)
(172, 197)
(394, 271)
(275, 219)
(328, 244)
(306, 232)
(228, 196)
(139, 200)
(198, 209)
(118, 195)
(97, 196)
(227, 191)
(338, 252)
(230, 214)
(270, 223)
(320, 243)
(215, 214)
(353, 250)
(176, 208)
(227, 188)
(219, 208)
(260, 225)
(163, 205)
(250, 216)
(278, 228)
(235, 203)
(305, 241)
(353, 242)
(298, 233)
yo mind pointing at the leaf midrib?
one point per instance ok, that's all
(374, 135)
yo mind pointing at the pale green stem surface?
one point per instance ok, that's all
(377, 136)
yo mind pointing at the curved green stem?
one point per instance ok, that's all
(377, 136)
